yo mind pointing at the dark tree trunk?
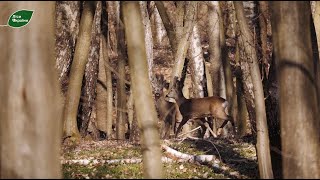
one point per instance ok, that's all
(122, 96)
(299, 111)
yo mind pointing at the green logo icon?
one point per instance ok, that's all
(20, 18)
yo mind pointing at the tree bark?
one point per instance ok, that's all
(299, 110)
(263, 149)
(227, 74)
(263, 8)
(88, 97)
(134, 124)
(179, 23)
(196, 68)
(168, 25)
(102, 90)
(214, 46)
(242, 106)
(248, 90)
(272, 108)
(77, 72)
(141, 88)
(113, 13)
(109, 98)
(183, 43)
(67, 29)
(122, 99)
(160, 32)
(31, 100)
(148, 39)
(316, 22)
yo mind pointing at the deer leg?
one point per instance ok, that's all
(203, 127)
(225, 122)
(166, 131)
(233, 125)
(173, 120)
(168, 124)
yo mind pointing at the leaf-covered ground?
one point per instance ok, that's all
(238, 159)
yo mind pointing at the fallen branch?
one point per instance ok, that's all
(191, 158)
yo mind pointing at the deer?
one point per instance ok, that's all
(197, 108)
(168, 112)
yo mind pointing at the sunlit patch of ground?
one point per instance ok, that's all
(238, 159)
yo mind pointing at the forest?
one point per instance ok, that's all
(160, 89)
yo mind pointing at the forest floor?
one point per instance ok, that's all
(236, 159)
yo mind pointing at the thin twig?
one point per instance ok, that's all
(190, 131)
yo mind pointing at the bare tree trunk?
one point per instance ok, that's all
(263, 7)
(227, 74)
(31, 109)
(109, 98)
(272, 108)
(242, 73)
(270, 83)
(121, 108)
(299, 112)
(263, 150)
(102, 90)
(67, 29)
(134, 124)
(214, 45)
(179, 23)
(148, 38)
(77, 72)
(141, 88)
(121, 114)
(160, 32)
(242, 107)
(91, 73)
(242, 111)
(183, 43)
(113, 13)
(168, 25)
(247, 89)
(316, 21)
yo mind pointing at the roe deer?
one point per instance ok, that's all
(168, 111)
(196, 108)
